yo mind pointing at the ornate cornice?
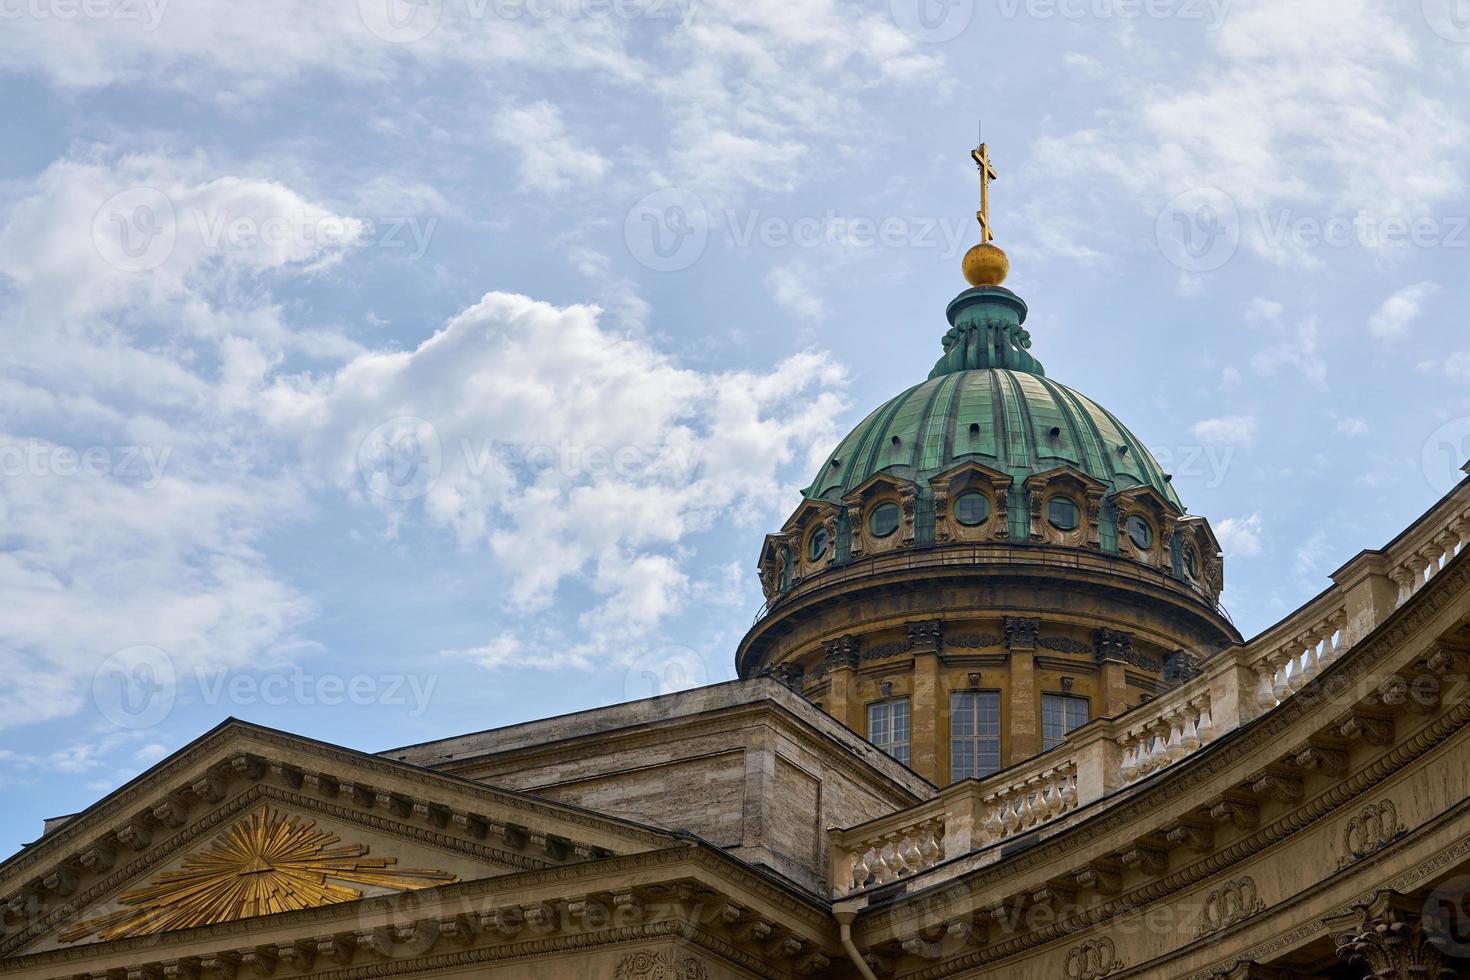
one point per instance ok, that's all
(157, 782)
(718, 873)
(1144, 810)
(161, 850)
(786, 721)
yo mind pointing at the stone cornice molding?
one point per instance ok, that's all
(786, 721)
(1147, 806)
(693, 876)
(236, 737)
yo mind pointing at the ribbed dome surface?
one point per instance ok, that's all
(1016, 422)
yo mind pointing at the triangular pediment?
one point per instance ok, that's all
(247, 822)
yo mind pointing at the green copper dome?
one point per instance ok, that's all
(988, 401)
(1018, 423)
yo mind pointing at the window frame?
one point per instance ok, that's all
(1076, 512)
(1148, 528)
(811, 540)
(889, 745)
(968, 492)
(976, 740)
(872, 518)
(1047, 741)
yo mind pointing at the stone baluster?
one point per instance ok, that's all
(1265, 690)
(933, 848)
(1174, 747)
(1128, 769)
(994, 826)
(1433, 554)
(1338, 625)
(1204, 728)
(1403, 577)
(1192, 716)
(1069, 791)
(861, 869)
(1280, 688)
(1010, 816)
(1311, 664)
(1051, 799)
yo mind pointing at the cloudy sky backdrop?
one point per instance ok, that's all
(385, 370)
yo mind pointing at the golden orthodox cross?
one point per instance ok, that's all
(981, 156)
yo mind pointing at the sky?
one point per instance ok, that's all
(385, 370)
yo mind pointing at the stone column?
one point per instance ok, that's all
(1384, 937)
(1022, 715)
(845, 703)
(929, 706)
(1114, 689)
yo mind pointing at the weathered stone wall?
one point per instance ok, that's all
(749, 766)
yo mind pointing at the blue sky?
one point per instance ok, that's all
(384, 371)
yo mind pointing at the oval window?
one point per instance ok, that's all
(972, 509)
(1191, 563)
(1140, 532)
(885, 520)
(1062, 513)
(816, 545)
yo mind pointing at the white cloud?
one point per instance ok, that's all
(1311, 556)
(571, 451)
(1393, 318)
(1457, 366)
(551, 160)
(1298, 343)
(793, 290)
(148, 376)
(1307, 111)
(1241, 537)
(1230, 430)
(1352, 427)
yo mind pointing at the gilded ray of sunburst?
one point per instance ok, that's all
(266, 863)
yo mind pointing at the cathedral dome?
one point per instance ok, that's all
(1016, 422)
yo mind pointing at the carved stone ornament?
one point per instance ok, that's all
(1021, 632)
(1385, 936)
(660, 965)
(1373, 828)
(1233, 902)
(266, 863)
(1093, 959)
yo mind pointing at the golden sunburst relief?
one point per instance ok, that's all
(266, 863)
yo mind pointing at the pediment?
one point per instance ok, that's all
(878, 483)
(1146, 497)
(248, 822)
(1069, 475)
(971, 470)
(810, 510)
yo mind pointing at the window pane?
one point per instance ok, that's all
(888, 727)
(1059, 715)
(974, 730)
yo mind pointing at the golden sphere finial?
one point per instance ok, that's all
(986, 265)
